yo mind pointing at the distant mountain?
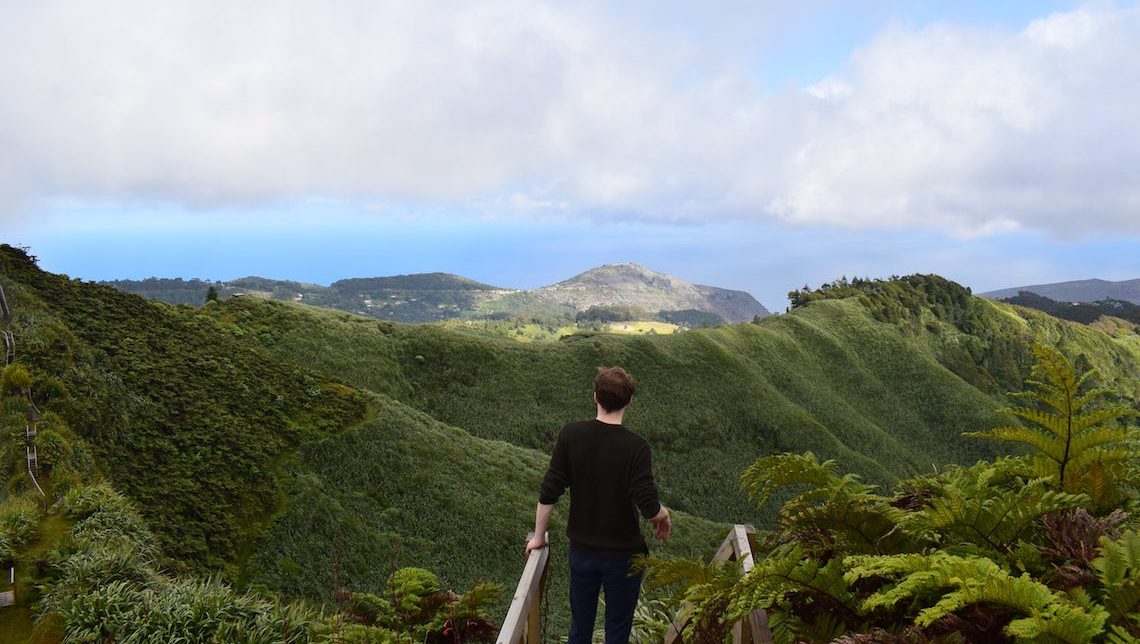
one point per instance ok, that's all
(635, 286)
(1092, 290)
(432, 297)
(1083, 312)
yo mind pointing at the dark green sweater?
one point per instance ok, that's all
(609, 471)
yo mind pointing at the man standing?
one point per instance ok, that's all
(609, 472)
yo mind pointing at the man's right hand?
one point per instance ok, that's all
(535, 543)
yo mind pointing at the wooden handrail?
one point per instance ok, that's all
(4, 313)
(9, 347)
(737, 546)
(523, 621)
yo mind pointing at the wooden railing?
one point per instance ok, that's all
(33, 413)
(9, 345)
(4, 313)
(523, 624)
(524, 618)
(737, 546)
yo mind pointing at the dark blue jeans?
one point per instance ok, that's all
(590, 573)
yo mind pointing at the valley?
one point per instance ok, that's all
(298, 450)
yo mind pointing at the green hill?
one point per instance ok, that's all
(1084, 312)
(300, 449)
(186, 420)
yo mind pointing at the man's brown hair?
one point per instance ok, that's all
(614, 388)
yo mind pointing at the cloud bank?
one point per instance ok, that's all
(566, 108)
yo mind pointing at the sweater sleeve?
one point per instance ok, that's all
(643, 490)
(557, 477)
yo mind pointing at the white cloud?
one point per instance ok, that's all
(977, 132)
(566, 107)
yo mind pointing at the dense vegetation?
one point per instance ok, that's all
(299, 451)
(188, 421)
(1042, 547)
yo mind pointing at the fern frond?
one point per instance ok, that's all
(1044, 442)
(1102, 454)
(1063, 622)
(788, 572)
(771, 473)
(1066, 429)
(856, 527)
(684, 573)
(1094, 417)
(959, 582)
(707, 588)
(1120, 635)
(1118, 568)
(1056, 423)
(992, 517)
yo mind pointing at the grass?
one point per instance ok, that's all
(882, 398)
(185, 419)
(404, 489)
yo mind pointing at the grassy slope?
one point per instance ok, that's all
(406, 489)
(827, 378)
(184, 419)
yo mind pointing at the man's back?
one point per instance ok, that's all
(609, 472)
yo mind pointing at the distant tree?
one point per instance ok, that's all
(211, 294)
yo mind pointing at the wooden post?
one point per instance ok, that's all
(737, 546)
(741, 548)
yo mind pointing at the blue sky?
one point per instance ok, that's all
(750, 145)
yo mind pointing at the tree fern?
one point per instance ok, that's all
(1071, 429)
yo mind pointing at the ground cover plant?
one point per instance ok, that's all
(104, 582)
(1039, 547)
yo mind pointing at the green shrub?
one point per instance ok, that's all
(15, 380)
